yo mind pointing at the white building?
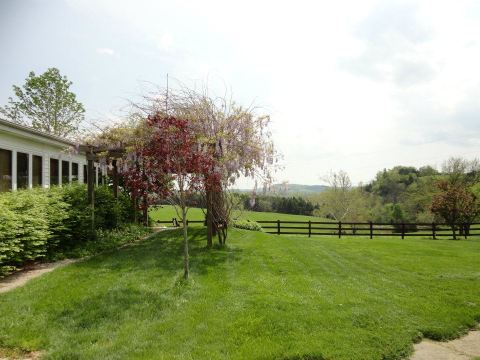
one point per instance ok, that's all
(30, 158)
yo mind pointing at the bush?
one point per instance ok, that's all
(42, 223)
(110, 213)
(108, 239)
(247, 225)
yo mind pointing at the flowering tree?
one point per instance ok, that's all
(237, 140)
(455, 204)
(174, 166)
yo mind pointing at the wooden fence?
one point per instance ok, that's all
(370, 229)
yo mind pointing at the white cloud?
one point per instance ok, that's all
(105, 51)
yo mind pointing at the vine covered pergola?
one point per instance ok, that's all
(236, 141)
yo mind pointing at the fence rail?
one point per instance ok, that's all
(370, 229)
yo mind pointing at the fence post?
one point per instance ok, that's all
(309, 228)
(278, 227)
(339, 229)
(187, 222)
(174, 222)
(465, 230)
(434, 234)
(371, 230)
(403, 230)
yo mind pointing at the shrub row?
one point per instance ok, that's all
(247, 225)
(40, 223)
(108, 239)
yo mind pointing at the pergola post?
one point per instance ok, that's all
(115, 178)
(90, 185)
(90, 178)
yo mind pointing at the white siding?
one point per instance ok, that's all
(18, 143)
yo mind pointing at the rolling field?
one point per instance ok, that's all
(260, 297)
(167, 212)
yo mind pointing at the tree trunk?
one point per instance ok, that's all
(454, 232)
(90, 187)
(145, 211)
(220, 215)
(209, 219)
(115, 178)
(186, 264)
(134, 205)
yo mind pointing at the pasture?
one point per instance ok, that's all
(167, 212)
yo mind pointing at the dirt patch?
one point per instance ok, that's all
(19, 355)
(465, 348)
(22, 277)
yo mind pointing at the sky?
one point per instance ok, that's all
(352, 85)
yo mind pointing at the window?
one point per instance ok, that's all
(65, 172)
(37, 170)
(74, 172)
(22, 170)
(5, 170)
(54, 178)
(85, 174)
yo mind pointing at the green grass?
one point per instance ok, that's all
(167, 212)
(261, 297)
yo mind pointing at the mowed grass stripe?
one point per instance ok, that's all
(261, 297)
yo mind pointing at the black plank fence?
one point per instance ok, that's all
(370, 229)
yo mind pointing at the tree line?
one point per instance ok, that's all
(295, 205)
(406, 194)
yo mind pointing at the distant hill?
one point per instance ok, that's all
(291, 189)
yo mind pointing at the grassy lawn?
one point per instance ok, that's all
(261, 297)
(167, 212)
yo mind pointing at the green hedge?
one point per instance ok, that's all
(41, 223)
(247, 225)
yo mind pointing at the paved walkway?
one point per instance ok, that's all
(464, 348)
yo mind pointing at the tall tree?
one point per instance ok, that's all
(45, 103)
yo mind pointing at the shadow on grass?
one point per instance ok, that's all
(299, 357)
(145, 277)
(164, 251)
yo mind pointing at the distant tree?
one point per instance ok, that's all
(460, 170)
(362, 205)
(417, 199)
(338, 199)
(455, 204)
(427, 171)
(391, 184)
(45, 103)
